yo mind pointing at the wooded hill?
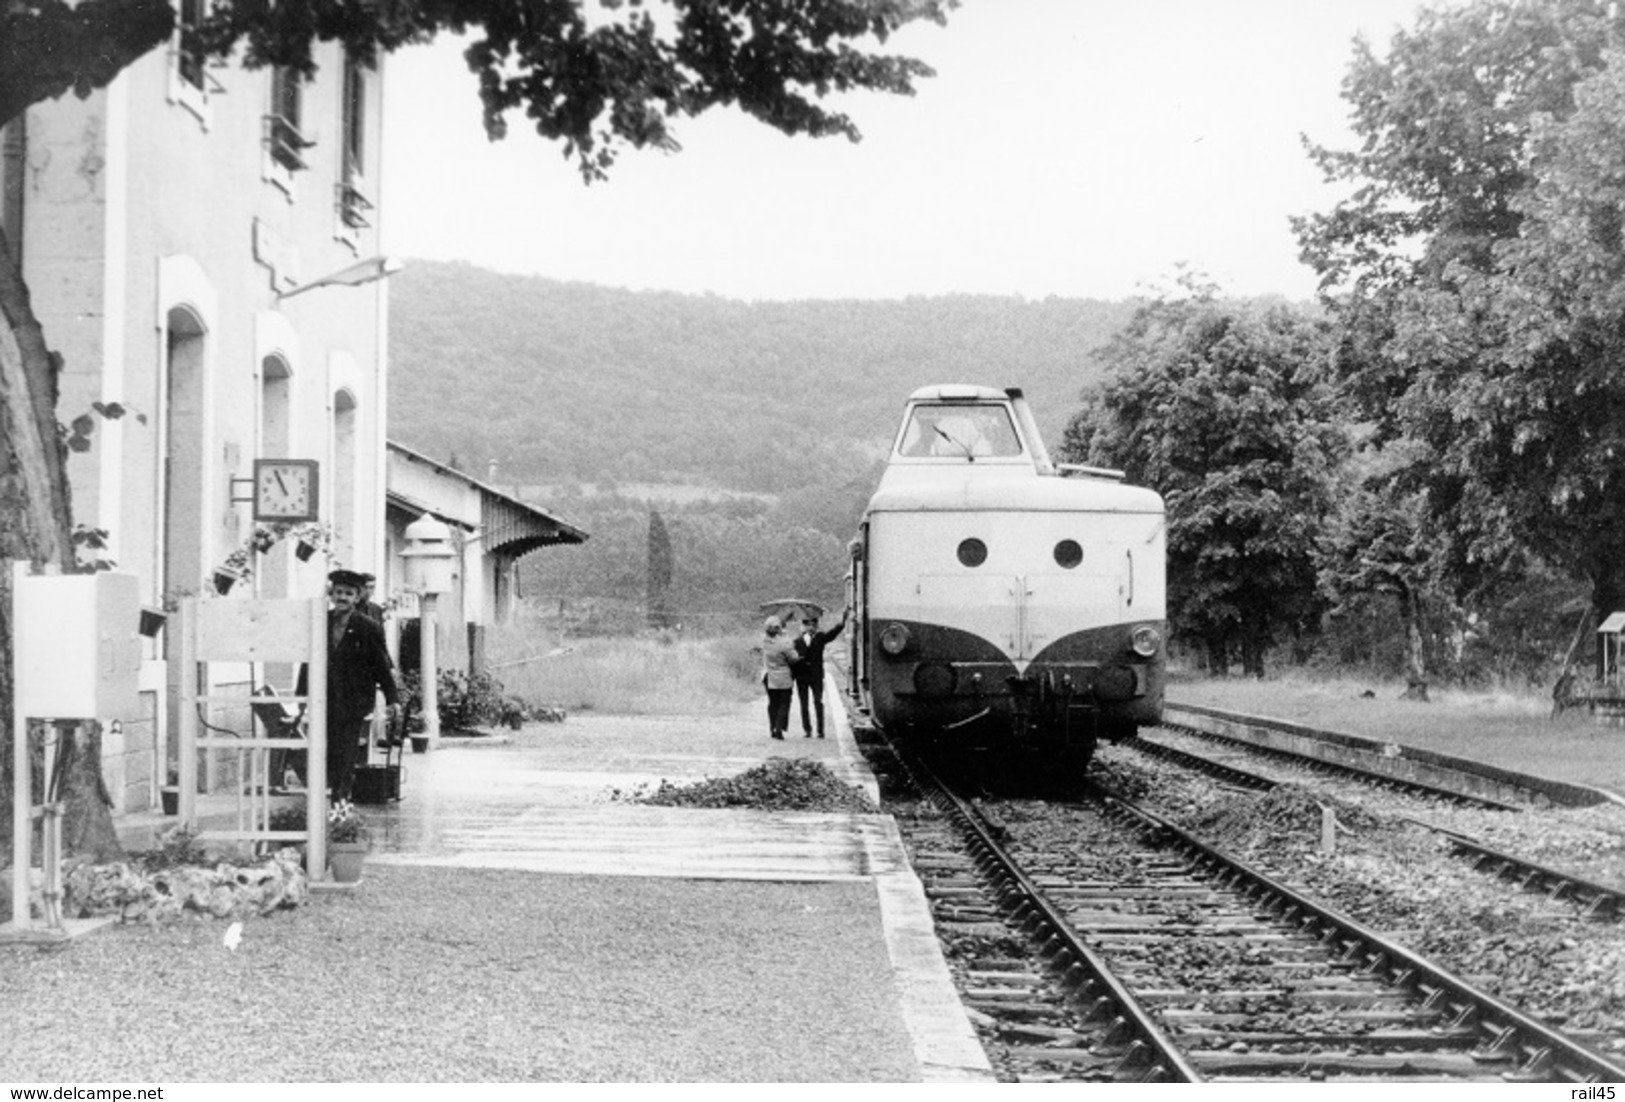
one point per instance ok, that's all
(570, 382)
(585, 396)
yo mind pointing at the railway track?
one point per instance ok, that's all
(1346, 770)
(1098, 941)
(1597, 901)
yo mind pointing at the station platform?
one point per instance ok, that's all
(814, 921)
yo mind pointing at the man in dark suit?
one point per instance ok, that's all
(358, 667)
(809, 668)
(368, 607)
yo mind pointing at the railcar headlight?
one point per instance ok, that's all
(894, 639)
(1145, 640)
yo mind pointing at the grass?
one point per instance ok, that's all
(660, 673)
(667, 674)
(1514, 730)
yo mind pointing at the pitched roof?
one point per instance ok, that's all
(511, 526)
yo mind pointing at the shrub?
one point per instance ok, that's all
(463, 701)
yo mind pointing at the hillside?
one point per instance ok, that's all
(569, 382)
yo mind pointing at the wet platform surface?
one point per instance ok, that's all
(558, 799)
(545, 802)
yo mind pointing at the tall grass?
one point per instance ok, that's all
(1511, 729)
(655, 674)
(1296, 690)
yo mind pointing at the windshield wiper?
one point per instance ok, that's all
(962, 447)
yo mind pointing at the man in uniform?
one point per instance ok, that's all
(358, 667)
(809, 669)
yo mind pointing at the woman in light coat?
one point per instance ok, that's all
(778, 663)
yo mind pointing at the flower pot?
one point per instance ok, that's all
(345, 860)
(223, 581)
(170, 797)
(304, 550)
(152, 622)
(420, 744)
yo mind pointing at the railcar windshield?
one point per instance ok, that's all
(959, 431)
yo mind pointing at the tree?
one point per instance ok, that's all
(596, 82)
(1226, 411)
(1474, 272)
(1442, 119)
(1378, 541)
(658, 602)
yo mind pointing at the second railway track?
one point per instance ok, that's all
(1163, 960)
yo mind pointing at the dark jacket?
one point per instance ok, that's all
(810, 668)
(356, 667)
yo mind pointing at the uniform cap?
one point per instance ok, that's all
(347, 577)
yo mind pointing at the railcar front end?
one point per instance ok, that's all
(1029, 616)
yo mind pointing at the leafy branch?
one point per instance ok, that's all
(76, 435)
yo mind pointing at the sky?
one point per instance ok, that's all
(1075, 148)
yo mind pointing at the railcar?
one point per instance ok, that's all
(1002, 601)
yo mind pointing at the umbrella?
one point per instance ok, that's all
(799, 605)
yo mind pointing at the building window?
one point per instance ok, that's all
(354, 206)
(285, 142)
(188, 58)
(189, 81)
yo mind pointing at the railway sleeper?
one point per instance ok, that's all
(1274, 942)
(1387, 1065)
(1294, 984)
(1421, 1039)
(1170, 925)
(1303, 999)
(1003, 994)
(994, 976)
(998, 1010)
(1074, 1055)
(1361, 1020)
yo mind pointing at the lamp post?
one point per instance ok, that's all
(429, 557)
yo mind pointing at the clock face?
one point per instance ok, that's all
(285, 489)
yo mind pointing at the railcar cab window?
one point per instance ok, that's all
(958, 431)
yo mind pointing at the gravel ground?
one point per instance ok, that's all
(474, 975)
(1399, 879)
(1588, 842)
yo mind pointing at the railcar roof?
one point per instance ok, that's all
(956, 392)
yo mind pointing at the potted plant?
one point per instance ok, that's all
(237, 567)
(170, 794)
(513, 713)
(347, 836)
(311, 537)
(264, 538)
(152, 621)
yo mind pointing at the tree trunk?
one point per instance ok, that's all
(1416, 659)
(1252, 656)
(1563, 694)
(35, 503)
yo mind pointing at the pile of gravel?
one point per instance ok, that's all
(780, 784)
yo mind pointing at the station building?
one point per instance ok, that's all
(202, 246)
